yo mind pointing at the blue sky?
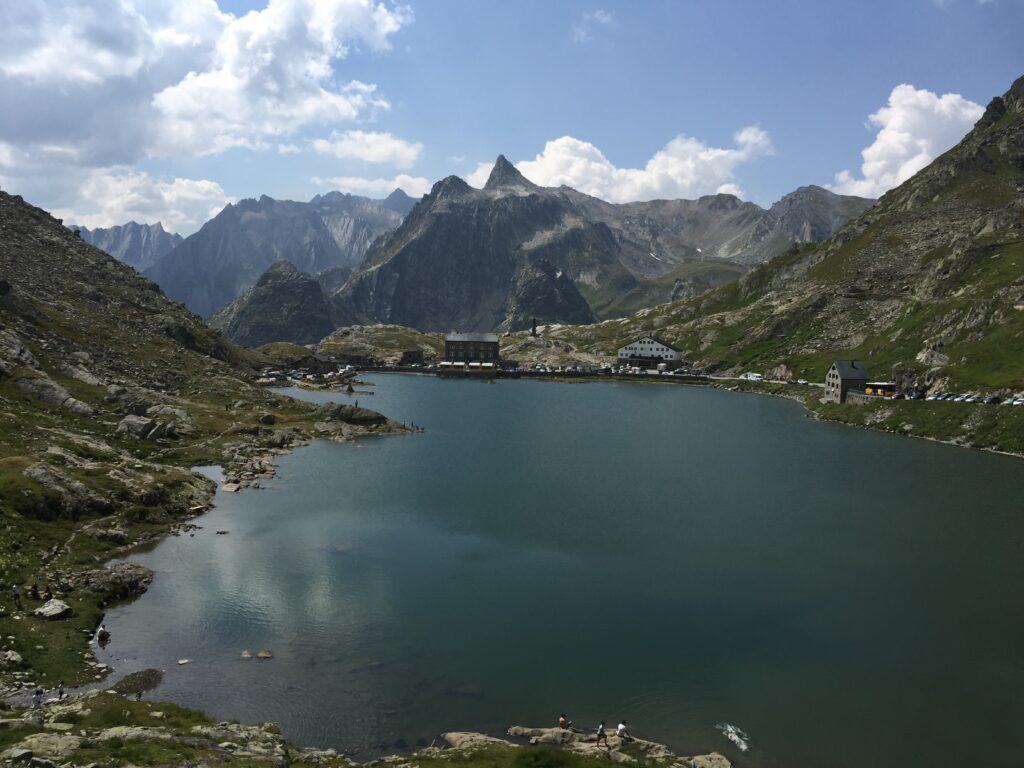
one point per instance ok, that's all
(455, 83)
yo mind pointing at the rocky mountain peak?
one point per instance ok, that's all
(398, 196)
(450, 187)
(1012, 101)
(399, 202)
(504, 175)
(280, 269)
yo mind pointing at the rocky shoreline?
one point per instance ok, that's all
(104, 726)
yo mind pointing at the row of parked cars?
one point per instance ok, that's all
(953, 397)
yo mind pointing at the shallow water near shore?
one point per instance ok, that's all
(677, 556)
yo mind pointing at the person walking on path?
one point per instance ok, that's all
(16, 595)
(37, 698)
(602, 736)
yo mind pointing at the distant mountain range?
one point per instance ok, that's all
(481, 259)
(228, 254)
(137, 245)
(497, 258)
(458, 258)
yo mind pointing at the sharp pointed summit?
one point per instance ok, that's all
(504, 175)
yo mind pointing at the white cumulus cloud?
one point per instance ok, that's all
(104, 85)
(270, 74)
(113, 196)
(370, 147)
(414, 186)
(914, 128)
(684, 168)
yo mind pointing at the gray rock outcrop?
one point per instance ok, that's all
(53, 610)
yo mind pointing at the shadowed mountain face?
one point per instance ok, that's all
(229, 253)
(137, 245)
(927, 286)
(461, 255)
(284, 305)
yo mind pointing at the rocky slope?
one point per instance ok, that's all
(137, 245)
(284, 305)
(109, 393)
(497, 257)
(229, 253)
(927, 286)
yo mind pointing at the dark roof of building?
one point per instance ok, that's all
(471, 337)
(851, 369)
(652, 338)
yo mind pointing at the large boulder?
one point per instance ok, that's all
(52, 745)
(53, 609)
(136, 426)
(39, 386)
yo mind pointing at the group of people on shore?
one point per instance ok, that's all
(621, 730)
(63, 584)
(37, 695)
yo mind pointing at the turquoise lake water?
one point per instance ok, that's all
(677, 556)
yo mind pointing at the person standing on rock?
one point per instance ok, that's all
(16, 595)
(601, 735)
(564, 722)
(37, 698)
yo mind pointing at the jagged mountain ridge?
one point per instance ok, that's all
(137, 245)
(229, 253)
(925, 287)
(455, 257)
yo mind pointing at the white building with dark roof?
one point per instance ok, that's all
(648, 351)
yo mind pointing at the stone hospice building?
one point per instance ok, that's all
(471, 348)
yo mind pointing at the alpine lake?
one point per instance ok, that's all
(681, 557)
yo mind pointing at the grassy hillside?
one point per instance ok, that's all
(381, 342)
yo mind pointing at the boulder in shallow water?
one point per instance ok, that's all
(246, 654)
(264, 654)
(53, 609)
